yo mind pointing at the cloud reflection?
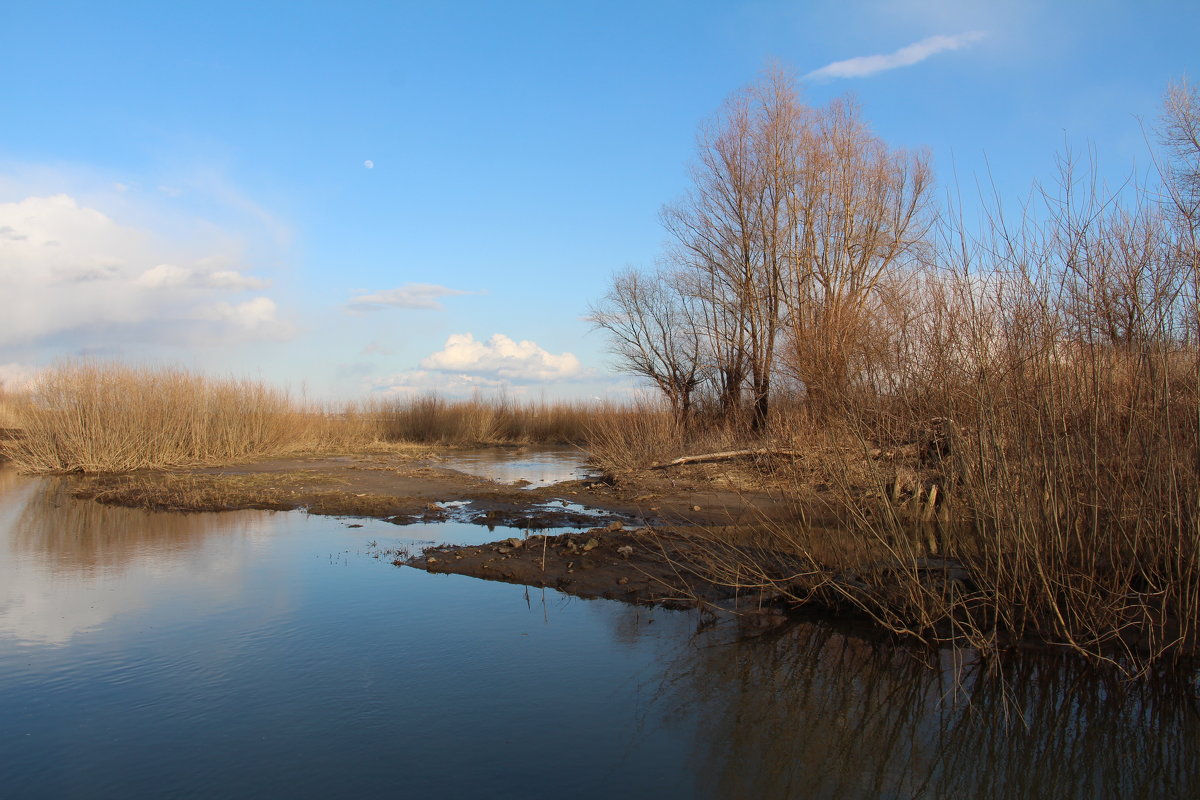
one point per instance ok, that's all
(74, 565)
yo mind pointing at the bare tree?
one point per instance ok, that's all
(795, 218)
(731, 235)
(1179, 130)
(857, 212)
(655, 333)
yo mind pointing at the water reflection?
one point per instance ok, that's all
(264, 641)
(72, 565)
(817, 711)
(89, 537)
(533, 468)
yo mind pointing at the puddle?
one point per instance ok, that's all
(528, 468)
(554, 516)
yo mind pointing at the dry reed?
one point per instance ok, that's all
(11, 405)
(482, 421)
(111, 417)
(87, 417)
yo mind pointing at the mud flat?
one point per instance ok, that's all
(642, 565)
(631, 540)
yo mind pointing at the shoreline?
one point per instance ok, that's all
(655, 521)
(646, 539)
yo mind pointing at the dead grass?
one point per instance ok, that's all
(109, 418)
(481, 421)
(12, 405)
(93, 418)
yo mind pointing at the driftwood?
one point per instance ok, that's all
(728, 455)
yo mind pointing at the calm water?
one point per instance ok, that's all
(540, 467)
(257, 654)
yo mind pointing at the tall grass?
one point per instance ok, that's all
(436, 420)
(87, 417)
(11, 404)
(112, 417)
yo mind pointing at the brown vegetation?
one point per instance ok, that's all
(1020, 397)
(11, 405)
(988, 431)
(115, 418)
(435, 420)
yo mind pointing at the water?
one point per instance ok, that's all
(256, 654)
(540, 467)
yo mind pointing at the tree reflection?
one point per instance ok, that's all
(818, 710)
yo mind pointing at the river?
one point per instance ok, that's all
(252, 654)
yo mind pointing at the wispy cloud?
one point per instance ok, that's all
(864, 66)
(410, 295)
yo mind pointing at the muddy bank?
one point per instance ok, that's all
(414, 487)
(639, 565)
(649, 540)
(632, 545)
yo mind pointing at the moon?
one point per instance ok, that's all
(369, 164)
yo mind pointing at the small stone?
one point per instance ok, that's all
(431, 560)
(513, 542)
(503, 550)
(623, 581)
(695, 508)
(626, 551)
(592, 544)
(615, 526)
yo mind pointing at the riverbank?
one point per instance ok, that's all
(642, 541)
(761, 537)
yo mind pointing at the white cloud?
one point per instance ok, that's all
(171, 275)
(164, 275)
(864, 66)
(419, 382)
(73, 275)
(410, 295)
(256, 313)
(369, 164)
(232, 280)
(501, 357)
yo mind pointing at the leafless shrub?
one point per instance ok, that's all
(1060, 347)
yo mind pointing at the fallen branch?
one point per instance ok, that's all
(728, 455)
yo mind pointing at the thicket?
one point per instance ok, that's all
(1056, 347)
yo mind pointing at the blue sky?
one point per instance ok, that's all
(188, 183)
